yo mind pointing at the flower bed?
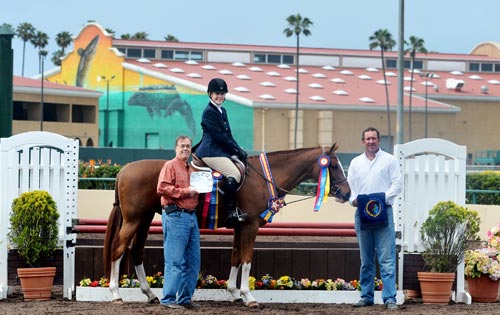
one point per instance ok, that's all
(266, 290)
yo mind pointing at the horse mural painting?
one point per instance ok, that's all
(136, 203)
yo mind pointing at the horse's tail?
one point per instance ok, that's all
(112, 231)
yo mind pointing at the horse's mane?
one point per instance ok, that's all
(287, 151)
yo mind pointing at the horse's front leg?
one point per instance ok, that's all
(231, 284)
(114, 280)
(145, 288)
(245, 289)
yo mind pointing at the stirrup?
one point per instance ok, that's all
(240, 215)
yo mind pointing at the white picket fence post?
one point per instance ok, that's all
(47, 161)
(433, 170)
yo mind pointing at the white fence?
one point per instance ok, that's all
(45, 161)
(433, 170)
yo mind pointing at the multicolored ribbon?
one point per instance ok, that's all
(210, 212)
(275, 203)
(323, 182)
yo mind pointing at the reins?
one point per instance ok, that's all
(287, 191)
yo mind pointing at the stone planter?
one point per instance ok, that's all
(263, 296)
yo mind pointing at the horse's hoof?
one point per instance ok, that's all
(117, 301)
(240, 300)
(154, 300)
(253, 304)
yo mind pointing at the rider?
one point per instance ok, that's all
(218, 146)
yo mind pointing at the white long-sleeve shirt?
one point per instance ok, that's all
(381, 174)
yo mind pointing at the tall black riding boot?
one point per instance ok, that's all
(233, 217)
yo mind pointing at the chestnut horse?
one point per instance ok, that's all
(136, 203)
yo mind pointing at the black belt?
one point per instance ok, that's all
(174, 208)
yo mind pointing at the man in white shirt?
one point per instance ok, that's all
(375, 173)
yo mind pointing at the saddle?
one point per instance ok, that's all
(198, 164)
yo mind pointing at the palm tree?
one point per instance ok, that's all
(125, 36)
(56, 57)
(382, 39)
(40, 40)
(112, 32)
(171, 38)
(25, 31)
(296, 26)
(416, 45)
(63, 40)
(140, 36)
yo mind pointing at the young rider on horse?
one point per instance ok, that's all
(217, 146)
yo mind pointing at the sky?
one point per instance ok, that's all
(447, 26)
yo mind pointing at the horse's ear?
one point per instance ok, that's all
(332, 148)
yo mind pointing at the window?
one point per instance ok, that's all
(486, 67)
(391, 64)
(133, 53)
(259, 58)
(497, 67)
(474, 66)
(181, 55)
(149, 53)
(196, 55)
(274, 59)
(167, 54)
(288, 59)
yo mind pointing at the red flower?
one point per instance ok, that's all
(94, 283)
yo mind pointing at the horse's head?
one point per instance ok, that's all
(339, 188)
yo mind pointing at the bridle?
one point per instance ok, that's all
(285, 191)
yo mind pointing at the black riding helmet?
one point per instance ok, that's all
(217, 85)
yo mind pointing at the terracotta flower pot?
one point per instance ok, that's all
(37, 283)
(436, 287)
(483, 289)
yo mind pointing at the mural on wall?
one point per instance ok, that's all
(164, 103)
(86, 56)
(140, 109)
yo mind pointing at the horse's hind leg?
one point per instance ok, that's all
(247, 239)
(114, 280)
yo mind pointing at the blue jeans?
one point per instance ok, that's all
(181, 250)
(382, 243)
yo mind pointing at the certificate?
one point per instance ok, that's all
(202, 182)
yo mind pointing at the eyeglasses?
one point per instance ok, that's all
(184, 146)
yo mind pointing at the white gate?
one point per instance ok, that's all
(433, 170)
(45, 161)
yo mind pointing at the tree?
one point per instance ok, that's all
(125, 36)
(171, 38)
(63, 40)
(415, 45)
(140, 36)
(25, 31)
(112, 32)
(382, 39)
(296, 26)
(56, 57)
(40, 40)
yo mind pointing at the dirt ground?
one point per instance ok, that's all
(15, 304)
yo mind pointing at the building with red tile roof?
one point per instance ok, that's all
(156, 90)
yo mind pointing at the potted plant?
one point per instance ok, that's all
(445, 235)
(34, 233)
(482, 268)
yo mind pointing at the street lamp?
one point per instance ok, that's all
(106, 112)
(428, 76)
(42, 53)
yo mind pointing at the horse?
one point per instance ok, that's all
(136, 203)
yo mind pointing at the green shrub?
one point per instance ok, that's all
(445, 235)
(486, 180)
(34, 226)
(99, 170)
